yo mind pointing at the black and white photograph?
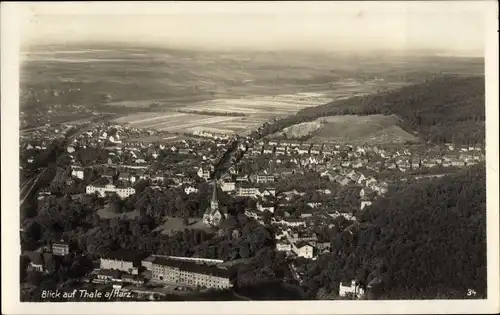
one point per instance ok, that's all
(246, 152)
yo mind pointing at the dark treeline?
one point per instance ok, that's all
(445, 109)
(426, 240)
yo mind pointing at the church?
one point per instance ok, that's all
(213, 215)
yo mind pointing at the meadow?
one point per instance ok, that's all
(256, 110)
(373, 129)
(172, 225)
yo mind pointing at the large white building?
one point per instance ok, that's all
(306, 251)
(102, 190)
(77, 172)
(189, 273)
(352, 289)
(129, 262)
(228, 186)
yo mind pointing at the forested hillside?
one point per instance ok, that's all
(445, 109)
(424, 241)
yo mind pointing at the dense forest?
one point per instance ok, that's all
(425, 240)
(444, 109)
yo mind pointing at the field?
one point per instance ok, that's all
(172, 225)
(373, 129)
(256, 110)
(124, 79)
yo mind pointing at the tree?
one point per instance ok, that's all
(35, 277)
(401, 242)
(24, 263)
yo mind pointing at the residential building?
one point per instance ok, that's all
(133, 279)
(324, 246)
(147, 262)
(304, 250)
(264, 178)
(292, 222)
(283, 246)
(127, 177)
(228, 186)
(242, 178)
(350, 289)
(126, 261)
(189, 273)
(77, 172)
(204, 173)
(247, 191)
(108, 275)
(263, 206)
(60, 248)
(365, 203)
(267, 192)
(103, 190)
(36, 261)
(190, 190)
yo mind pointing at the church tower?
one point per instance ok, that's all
(214, 203)
(213, 215)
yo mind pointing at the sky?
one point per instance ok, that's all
(452, 26)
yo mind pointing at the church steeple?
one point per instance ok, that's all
(214, 203)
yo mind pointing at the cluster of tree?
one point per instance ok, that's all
(426, 240)
(340, 197)
(58, 269)
(267, 268)
(240, 238)
(444, 109)
(90, 155)
(137, 235)
(57, 216)
(160, 203)
(309, 181)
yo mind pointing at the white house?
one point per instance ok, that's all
(78, 173)
(189, 190)
(103, 189)
(306, 251)
(346, 289)
(365, 203)
(292, 222)
(228, 186)
(248, 191)
(204, 173)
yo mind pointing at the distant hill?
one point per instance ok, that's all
(445, 109)
(423, 241)
(352, 129)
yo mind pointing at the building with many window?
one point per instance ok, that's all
(263, 178)
(189, 273)
(122, 260)
(103, 190)
(60, 248)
